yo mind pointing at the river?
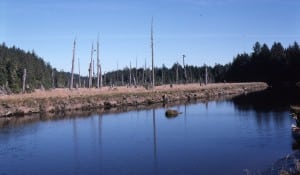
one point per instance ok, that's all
(234, 136)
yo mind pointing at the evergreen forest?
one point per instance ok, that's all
(274, 65)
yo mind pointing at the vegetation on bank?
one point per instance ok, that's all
(272, 65)
(60, 100)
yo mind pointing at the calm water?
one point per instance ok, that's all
(220, 137)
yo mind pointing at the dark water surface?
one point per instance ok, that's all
(220, 137)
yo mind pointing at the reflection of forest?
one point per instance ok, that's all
(27, 119)
(269, 106)
(271, 100)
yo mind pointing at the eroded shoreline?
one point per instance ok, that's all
(63, 100)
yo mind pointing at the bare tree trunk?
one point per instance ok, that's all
(136, 72)
(122, 78)
(100, 72)
(94, 75)
(206, 78)
(162, 75)
(24, 81)
(104, 79)
(130, 74)
(91, 68)
(143, 77)
(117, 76)
(53, 86)
(98, 65)
(184, 69)
(72, 69)
(152, 54)
(79, 82)
(177, 73)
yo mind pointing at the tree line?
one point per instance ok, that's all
(272, 65)
(39, 74)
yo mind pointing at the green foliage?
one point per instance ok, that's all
(275, 65)
(272, 65)
(13, 61)
(163, 75)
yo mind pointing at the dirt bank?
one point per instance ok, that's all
(59, 100)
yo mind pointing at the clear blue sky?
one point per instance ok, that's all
(206, 31)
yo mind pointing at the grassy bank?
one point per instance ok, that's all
(58, 100)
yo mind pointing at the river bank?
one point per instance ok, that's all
(60, 100)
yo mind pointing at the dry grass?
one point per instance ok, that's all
(106, 91)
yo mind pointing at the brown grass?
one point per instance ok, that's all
(106, 91)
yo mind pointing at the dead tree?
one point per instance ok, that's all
(90, 76)
(177, 73)
(72, 69)
(79, 81)
(100, 75)
(136, 72)
(122, 78)
(98, 65)
(91, 67)
(162, 75)
(152, 54)
(24, 81)
(104, 79)
(93, 70)
(53, 86)
(206, 76)
(130, 74)
(143, 76)
(184, 69)
(117, 76)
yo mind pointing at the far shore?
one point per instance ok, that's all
(59, 100)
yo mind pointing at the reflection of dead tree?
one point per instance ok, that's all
(154, 133)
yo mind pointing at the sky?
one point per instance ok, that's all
(206, 31)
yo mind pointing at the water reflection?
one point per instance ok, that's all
(154, 142)
(269, 107)
(273, 100)
(75, 144)
(296, 145)
(154, 135)
(233, 135)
